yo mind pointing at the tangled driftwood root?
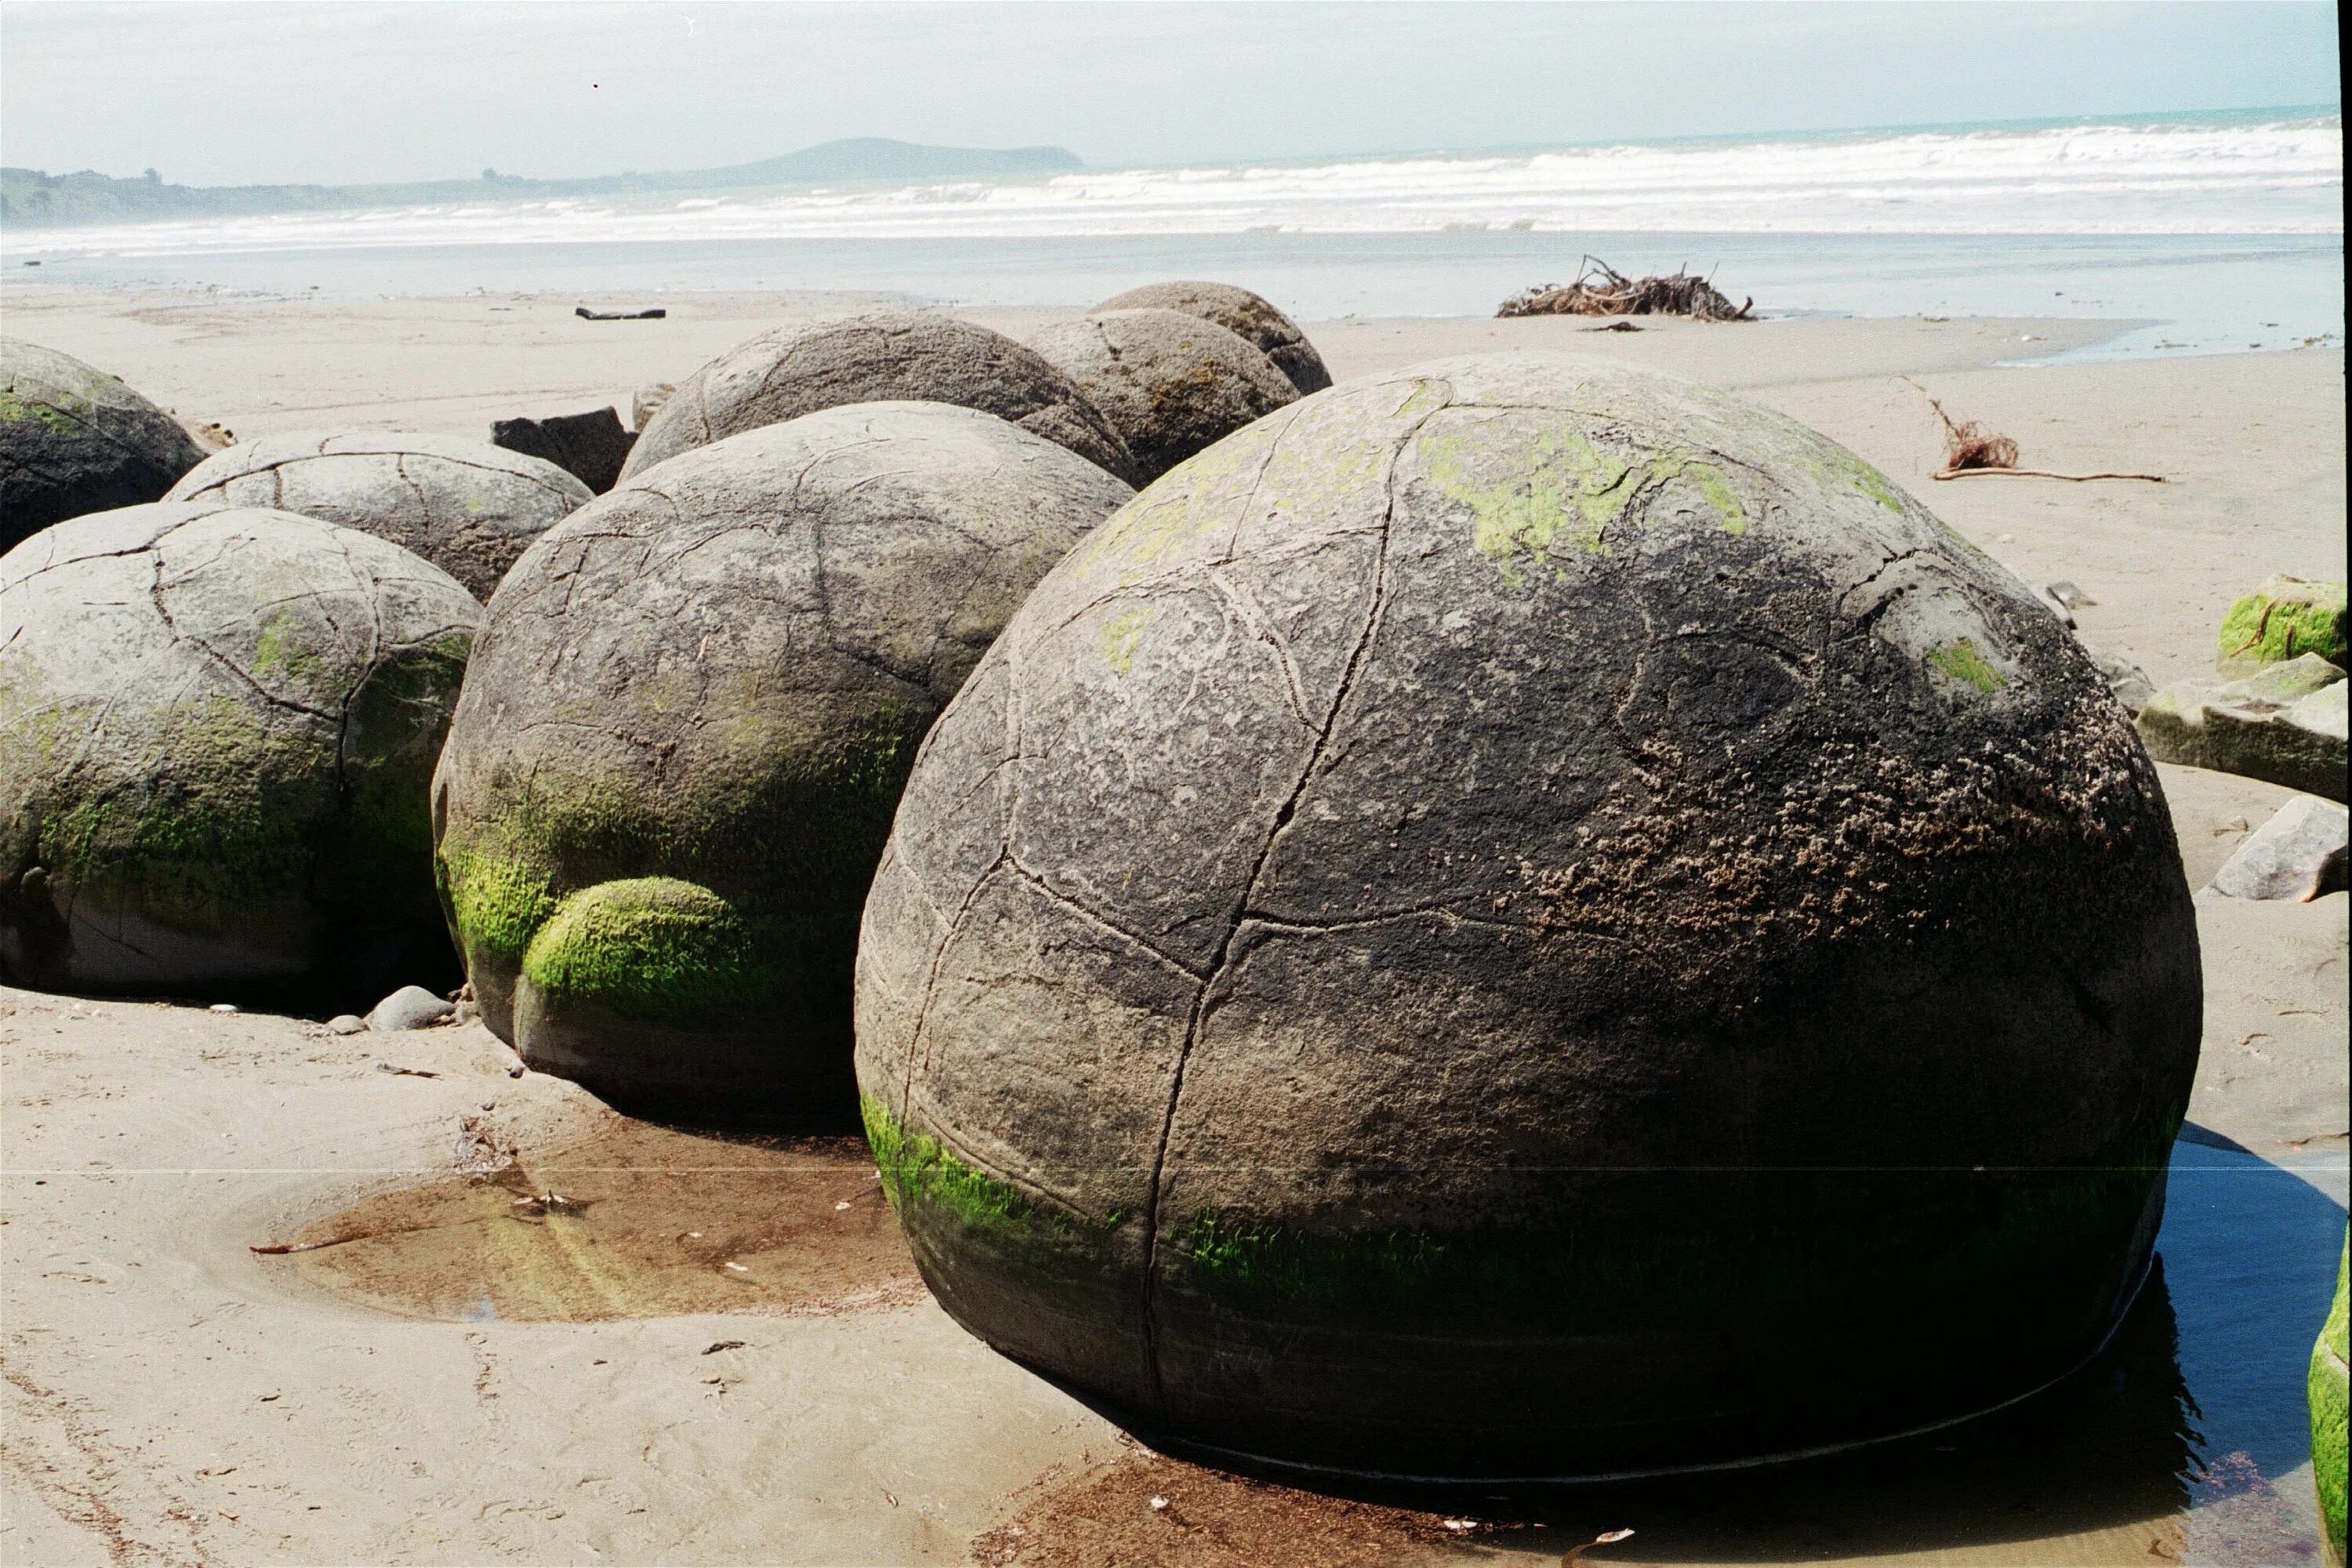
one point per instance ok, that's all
(1600, 290)
(1969, 449)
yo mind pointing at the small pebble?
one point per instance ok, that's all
(222, 1007)
(346, 1024)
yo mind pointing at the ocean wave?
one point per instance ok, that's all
(2284, 177)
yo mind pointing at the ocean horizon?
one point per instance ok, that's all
(2211, 232)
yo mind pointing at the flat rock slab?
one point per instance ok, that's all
(2287, 856)
(2286, 724)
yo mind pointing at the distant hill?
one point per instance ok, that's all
(29, 198)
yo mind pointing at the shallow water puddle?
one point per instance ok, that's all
(633, 1221)
(2185, 1442)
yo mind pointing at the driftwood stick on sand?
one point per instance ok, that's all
(2040, 474)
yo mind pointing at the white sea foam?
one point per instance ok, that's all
(2282, 178)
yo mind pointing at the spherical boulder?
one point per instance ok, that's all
(74, 439)
(217, 728)
(468, 506)
(879, 357)
(1169, 384)
(684, 731)
(1522, 918)
(1251, 317)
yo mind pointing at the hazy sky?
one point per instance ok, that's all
(230, 93)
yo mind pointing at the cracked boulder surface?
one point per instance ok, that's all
(1523, 918)
(882, 357)
(1249, 316)
(470, 508)
(217, 729)
(1172, 385)
(74, 439)
(684, 733)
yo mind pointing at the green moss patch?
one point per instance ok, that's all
(647, 947)
(1965, 662)
(2283, 619)
(2329, 1412)
(495, 901)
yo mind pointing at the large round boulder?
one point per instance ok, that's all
(1170, 383)
(217, 729)
(885, 356)
(1522, 918)
(470, 508)
(1250, 317)
(684, 731)
(74, 439)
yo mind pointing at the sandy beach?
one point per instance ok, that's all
(176, 1398)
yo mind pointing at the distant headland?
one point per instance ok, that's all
(29, 197)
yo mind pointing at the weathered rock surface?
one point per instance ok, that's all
(886, 355)
(1523, 918)
(2285, 724)
(1251, 317)
(683, 736)
(1170, 383)
(410, 1007)
(2288, 856)
(468, 506)
(216, 728)
(648, 401)
(2128, 681)
(591, 447)
(2283, 619)
(74, 439)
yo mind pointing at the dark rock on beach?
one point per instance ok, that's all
(74, 439)
(591, 447)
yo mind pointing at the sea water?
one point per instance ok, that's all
(2194, 233)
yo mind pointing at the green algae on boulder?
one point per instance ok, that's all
(74, 439)
(468, 506)
(2283, 619)
(1253, 318)
(217, 727)
(1521, 918)
(1169, 384)
(2329, 1403)
(682, 736)
(886, 355)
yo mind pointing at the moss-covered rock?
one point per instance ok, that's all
(74, 439)
(2329, 1402)
(1523, 918)
(217, 727)
(1250, 317)
(2283, 619)
(683, 734)
(2285, 724)
(1169, 383)
(887, 354)
(468, 506)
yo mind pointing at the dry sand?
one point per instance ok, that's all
(172, 1397)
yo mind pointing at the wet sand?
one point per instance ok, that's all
(434, 1395)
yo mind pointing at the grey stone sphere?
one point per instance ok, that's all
(878, 357)
(1169, 384)
(1521, 918)
(684, 728)
(217, 727)
(1251, 317)
(74, 439)
(470, 508)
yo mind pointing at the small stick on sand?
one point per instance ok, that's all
(2040, 474)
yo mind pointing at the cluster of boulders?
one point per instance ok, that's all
(1515, 918)
(231, 668)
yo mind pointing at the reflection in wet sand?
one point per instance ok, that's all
(637, 1220)
(2185, 1441)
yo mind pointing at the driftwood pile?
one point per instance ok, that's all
(1600, 290)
